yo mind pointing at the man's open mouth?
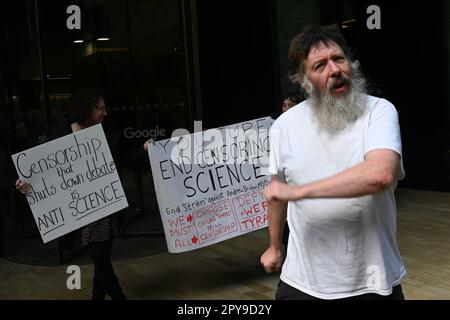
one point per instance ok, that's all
(339, 85)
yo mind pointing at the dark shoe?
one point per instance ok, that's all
(117, 295)
(98, 296)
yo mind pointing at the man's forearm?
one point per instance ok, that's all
(365, 178)
(277, 211)
(352, 182)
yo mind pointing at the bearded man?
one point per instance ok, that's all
(335, 160)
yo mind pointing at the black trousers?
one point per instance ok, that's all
(286, 292)
(105, 280)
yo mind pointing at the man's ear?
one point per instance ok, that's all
(306, 85)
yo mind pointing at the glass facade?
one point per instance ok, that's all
(134, 52)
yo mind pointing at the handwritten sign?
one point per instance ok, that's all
(73, 182)
(209, 184)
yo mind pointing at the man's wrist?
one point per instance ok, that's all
(278, 246)
(300, 192)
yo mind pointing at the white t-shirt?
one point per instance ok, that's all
(338, 247)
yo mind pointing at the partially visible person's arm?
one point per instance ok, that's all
(273, 257)
(146, 143)
(375, 174)
(22, 186)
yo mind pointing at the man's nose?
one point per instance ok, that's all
(334, 69)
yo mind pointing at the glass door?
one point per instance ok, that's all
(133, 51)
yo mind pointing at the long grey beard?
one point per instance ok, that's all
(334, 113)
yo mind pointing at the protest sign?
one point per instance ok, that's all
(209, 184)
(73, 182)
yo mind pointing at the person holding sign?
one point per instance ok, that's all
(88, 109)
(335, 159)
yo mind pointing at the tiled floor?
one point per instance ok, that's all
(231, 269)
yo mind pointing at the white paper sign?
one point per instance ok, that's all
(73, 182)
(209, 184)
